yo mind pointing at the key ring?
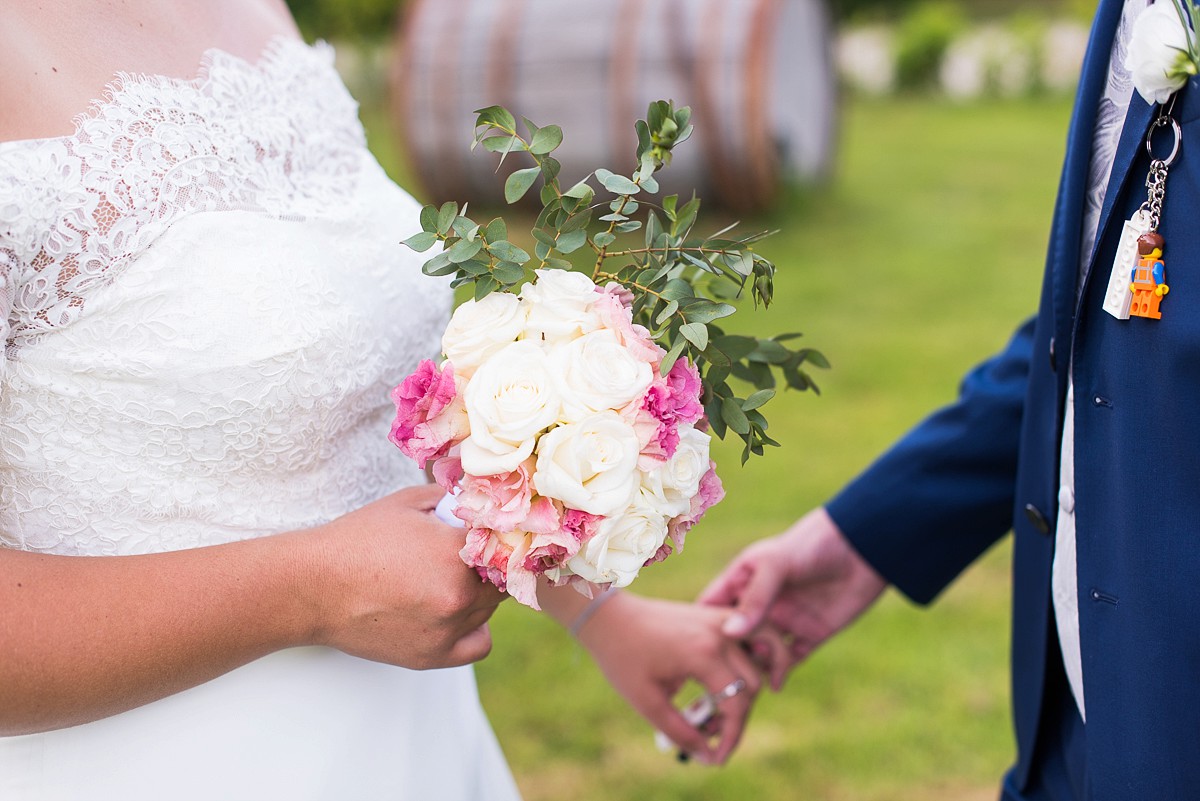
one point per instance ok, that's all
(1160, 121)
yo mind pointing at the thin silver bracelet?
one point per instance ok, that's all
(589, 610)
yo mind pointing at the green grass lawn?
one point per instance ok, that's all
(916, 262)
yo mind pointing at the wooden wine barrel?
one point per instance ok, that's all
(758, 75)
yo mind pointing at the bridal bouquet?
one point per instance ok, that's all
(572, 415)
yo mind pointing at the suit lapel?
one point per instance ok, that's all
(1067, 230)
(1133, 137)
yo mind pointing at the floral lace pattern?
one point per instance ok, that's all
(204, 304)
(280, 136)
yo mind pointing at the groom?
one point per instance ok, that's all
(1083, 437)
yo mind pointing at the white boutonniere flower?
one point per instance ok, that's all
(1163, 50)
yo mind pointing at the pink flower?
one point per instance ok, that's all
(488, 555)
(500, 501)
(430, 416)
(512, 560)
(668, 403)
(551, 544)
(710, 493)
(580, 525)
(447, 472)
(612, 307)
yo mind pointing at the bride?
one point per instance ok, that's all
(203, 306)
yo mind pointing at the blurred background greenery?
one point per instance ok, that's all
(915, 261)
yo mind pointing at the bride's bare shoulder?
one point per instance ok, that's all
(57, 56)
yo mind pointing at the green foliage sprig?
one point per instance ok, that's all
(681, 283)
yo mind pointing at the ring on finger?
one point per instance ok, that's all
(730, 690)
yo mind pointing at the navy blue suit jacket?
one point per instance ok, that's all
(989, 463)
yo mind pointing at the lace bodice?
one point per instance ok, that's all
(204, 304)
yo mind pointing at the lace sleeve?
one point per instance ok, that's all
(8, 263)
(8, 291)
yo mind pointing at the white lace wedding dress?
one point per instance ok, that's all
(204, 304)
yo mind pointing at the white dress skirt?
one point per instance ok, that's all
(204, 305)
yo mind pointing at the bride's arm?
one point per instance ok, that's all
(82, 638)
(647, 648)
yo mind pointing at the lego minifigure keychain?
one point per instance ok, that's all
(1137, 283)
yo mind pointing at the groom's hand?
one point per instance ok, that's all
(807, 583)
(649, 648)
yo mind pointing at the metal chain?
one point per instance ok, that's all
(1156, 190)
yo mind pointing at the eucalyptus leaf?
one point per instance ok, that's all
(758, 399)
(667, 311)
(519, 182)
(464, 249)
(581, 191)
(497, 116)
(576, 221)
(474, 268)
(620, 185)
(429, 218)
(571, 241)
(629, 226)
(507, 272)
(695, 333)
(708, 311)
(717, 357)
(712, 410)
(485, 286)
(816, 358)
(546, 140)
(465, 227)
(550, 168)
(686, 217)
(544, 236)
(507, 251)
(421, 242)
(672, 356)
(447, 214)
(604, 239)
(501, 144)
(439, 265)
(736, 346)
(769, 351)
(677, 289)
(734, 417)
(496, 230)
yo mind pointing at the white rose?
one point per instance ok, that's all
(590, 465)
(621, 545)
(680, 476)
(559, 306)
(596, 372)
(479, 328)
(509, 400)
(671, 486)
(1158, 59)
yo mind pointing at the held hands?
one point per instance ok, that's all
(774, 604)
(648, 648)
(393, 589)
(806, 584)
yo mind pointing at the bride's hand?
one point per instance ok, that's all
(395, 589)
(648, 648)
